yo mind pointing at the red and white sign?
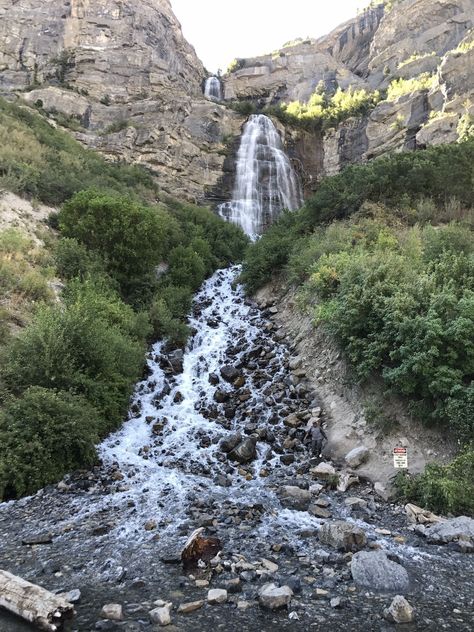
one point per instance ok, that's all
(400, 458)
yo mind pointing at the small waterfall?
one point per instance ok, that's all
(266, 183)
(213, 89)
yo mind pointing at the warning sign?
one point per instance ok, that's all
(400, 458)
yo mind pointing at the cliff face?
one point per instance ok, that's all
(417, 37)
(122, 76)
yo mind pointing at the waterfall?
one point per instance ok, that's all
(266, 183)
(212, 89)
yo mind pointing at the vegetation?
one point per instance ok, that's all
(323, 112)
(448, 489)
(39, 161)
(416, 57)
(465, 127)
(401, 87)
(383, 255)
(131, 264)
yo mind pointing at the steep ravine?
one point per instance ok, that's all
(116, 531)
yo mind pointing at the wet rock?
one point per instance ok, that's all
(150, 525)
(272, 597)
(245, 452)
(295, 497)
(175, 360)
(357, 456)
(214, 379)
(72, 596)
(336, 602)
(199, 547)
(40, 538)
(319, 512)
(216, 596)
(221, 396)
(399, 611)
(229, 373)
(190, 606)
(112, 612)
(343, 536)
(162, 615)
(230, 443)
(373, 569)
(454, 530)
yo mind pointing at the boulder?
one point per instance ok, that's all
(399, 611)
(421, 516)
(343, 536)
(373, 570)
(229, 373)
(295, 497)
(228, 444)
(323, 471)
(357, 456)
(273, 597)
(245, 452)
(454, 530)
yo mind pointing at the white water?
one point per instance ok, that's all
(266, 182)
(213, 89)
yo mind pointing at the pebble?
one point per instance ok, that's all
(217, 595)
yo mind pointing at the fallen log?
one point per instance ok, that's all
(34, 604)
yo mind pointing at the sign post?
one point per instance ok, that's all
(400, 458)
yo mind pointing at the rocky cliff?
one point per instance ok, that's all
(120, 74)
(424, 49)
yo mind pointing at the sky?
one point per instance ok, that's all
(221, 30)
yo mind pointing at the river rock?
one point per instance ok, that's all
(217, 595)
(399, 611)
(273, 597)
(373, 569)
(245, 452)
(229, 443)
(342, 535)
(229, 373)
(199, 547)
(112, 612)
(357, 456)
(162, 615)
(454, 530)
(295, 497)
(190, 606)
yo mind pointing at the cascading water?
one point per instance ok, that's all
(265, 183)
(213, 89)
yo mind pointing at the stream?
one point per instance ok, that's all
(116, 531)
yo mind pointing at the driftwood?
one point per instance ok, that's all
(34, 604)
(199, 548)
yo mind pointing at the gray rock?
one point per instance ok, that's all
(343, 536)
(161, 615)
(461, 528)
(273, 597)
(229, 373)
(112, 612)
(217, 595)
(245, 452)
(357, 456)
(72, 596)
(399, 611)
(373, 569)
(295, 497)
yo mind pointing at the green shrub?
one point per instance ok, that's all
(443, 489)
(74, 260)
(44, 434)
(401, 87)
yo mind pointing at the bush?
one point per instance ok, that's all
(130, 238)
(443, 489)
(44, 434)
(93, 346)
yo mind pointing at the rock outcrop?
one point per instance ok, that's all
(121, 75)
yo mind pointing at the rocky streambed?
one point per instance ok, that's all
(215, 440)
